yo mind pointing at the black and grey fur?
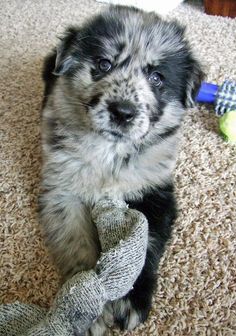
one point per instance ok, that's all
(115, 96)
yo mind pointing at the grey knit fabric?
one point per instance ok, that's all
(16, 318)
(128, 229)
(123, 235)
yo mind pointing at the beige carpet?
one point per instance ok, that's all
(196, 290)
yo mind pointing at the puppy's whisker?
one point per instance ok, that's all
(83, 38)
(75, 103)
(78, 102)
(166, 126)
(164, 140)
(99, 46)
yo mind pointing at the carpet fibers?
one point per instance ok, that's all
(196, 288)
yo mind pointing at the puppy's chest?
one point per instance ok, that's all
(100, 176)
(100, 173)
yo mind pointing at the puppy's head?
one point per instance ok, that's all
(130, 73)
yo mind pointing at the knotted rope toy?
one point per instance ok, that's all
(224, 99)
(123, 234)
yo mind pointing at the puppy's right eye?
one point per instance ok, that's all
(155, 78)
(104, 65)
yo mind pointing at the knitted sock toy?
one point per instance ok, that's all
(123, 236)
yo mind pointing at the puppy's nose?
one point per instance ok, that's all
(122, 111)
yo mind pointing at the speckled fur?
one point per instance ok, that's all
(88, 156)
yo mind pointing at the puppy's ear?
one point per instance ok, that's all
(194, 79)
(194, 73)
(65, 58)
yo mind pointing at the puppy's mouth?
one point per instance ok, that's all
(114, 135)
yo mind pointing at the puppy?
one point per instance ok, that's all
(116, 90)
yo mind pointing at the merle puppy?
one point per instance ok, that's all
(116, 90)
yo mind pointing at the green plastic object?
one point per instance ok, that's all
(227, 125)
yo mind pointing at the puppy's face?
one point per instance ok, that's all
(129, 73)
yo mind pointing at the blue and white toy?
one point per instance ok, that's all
(224, 99)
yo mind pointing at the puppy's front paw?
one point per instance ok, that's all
(127, 317)
(102, 325)
(99, 328)
(121, 313)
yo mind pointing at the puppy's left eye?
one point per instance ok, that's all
(155, 78)
(104, 65)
